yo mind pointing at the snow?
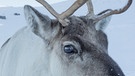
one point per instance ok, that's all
(121, 30)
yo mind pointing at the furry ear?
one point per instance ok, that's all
(102, 24)
(33, 17)
(41, 24)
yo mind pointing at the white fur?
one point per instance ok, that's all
(26, 55)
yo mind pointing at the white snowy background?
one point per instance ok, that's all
(120, 32)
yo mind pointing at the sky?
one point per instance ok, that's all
(16, 3)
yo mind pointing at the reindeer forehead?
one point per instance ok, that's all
(76, 27)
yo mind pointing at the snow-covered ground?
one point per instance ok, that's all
(121, 30)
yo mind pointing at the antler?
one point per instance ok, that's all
(90, 8)
(62, 17)
(110, 12)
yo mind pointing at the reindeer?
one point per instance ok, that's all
(65, 46)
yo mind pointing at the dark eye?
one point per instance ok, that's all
(69, 49)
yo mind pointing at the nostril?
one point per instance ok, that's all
(112, 67)
(115, 72)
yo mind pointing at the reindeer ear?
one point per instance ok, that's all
(102, 24)
(40, 23)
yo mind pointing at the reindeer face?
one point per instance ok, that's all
(79, 49)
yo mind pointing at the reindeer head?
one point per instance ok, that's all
(77, 45)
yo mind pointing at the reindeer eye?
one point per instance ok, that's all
(69, 49)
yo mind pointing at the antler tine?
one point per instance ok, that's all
(90, 8)
(116, 11)
(62, 17)
(73, 8)
(53, 12)
(49, 8)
